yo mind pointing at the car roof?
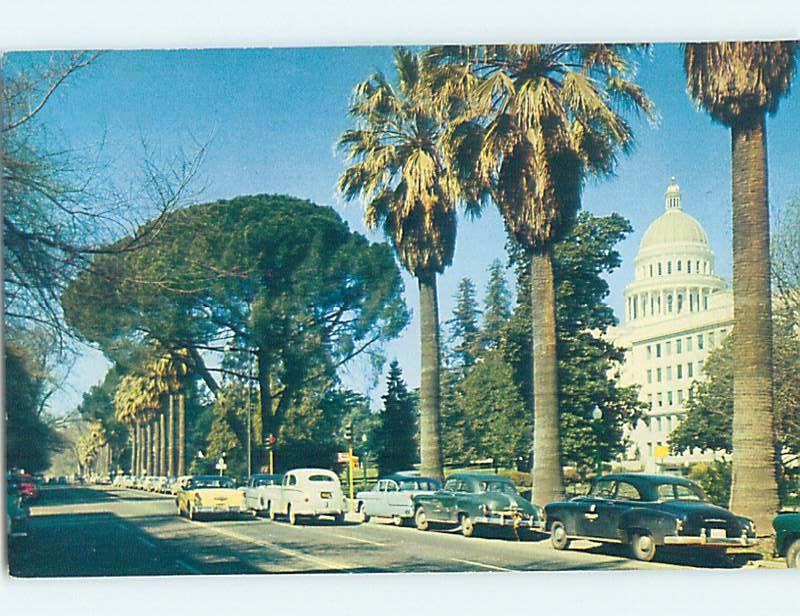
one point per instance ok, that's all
(645, 478)
(303, 472)
(210, 477)
(480, 477)
(254, 475)
(404, 477)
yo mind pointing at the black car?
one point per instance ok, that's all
(644, 512)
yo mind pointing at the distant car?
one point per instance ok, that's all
(787, 537)
(160, 484)
(17, 512)
(255, 496)
(393, 497)
(28, 489)
(471, 500)
(208, 495)
(644, 512)
(179, 483)
(306, 493)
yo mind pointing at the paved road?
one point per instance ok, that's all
(103, 531)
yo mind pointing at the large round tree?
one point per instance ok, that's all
(397, 168)
(547, 116)
(738, 84)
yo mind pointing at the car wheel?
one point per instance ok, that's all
(467, 525)
(643, 547)
(292, 517)
(793, 555)
(190, 512)
(558, 536)
(262, 507)
(420, 519)
(272, 513)
(362, 509)
(398, 521)
(338, 518)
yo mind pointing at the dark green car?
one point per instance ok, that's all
(787, 537)
(470, 500)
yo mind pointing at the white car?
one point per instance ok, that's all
(255, 492)
(306, 493)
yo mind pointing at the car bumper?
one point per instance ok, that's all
(218, 509)
(510, 520)
(703, 540)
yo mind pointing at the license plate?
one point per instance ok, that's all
(325, 494)
(718, 533)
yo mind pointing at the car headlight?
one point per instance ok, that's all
(678, 525)
(198, 500)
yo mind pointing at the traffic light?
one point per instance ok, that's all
(270, 441)
(348, 431)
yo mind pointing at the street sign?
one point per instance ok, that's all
(221, 466)
(355, 460)
(661, 451)
(342, 457)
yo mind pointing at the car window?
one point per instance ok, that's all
(603, 488)
(675, 491)
(391, 486)
(628, 491)
(504, 487)
(469, 487)
(320, 478)
(292, 480)
(451, 485)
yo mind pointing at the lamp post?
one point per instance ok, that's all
(364, 461)
(597, 416)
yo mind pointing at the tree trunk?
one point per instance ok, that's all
(134, 446)
(265, 409)
(142, 449)
(162, 441)
(547, 473)
(171, 437)
(429, 389)
(148, 444)
(181, 434)
(157, 445)
(754, 491)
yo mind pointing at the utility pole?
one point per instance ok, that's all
(348, 435)
(249, 415)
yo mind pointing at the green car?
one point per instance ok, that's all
(787, 537)
(470, 500)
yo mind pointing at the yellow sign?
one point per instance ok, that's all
(355, 460)
(661, 451)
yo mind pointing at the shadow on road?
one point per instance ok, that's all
(686, 557)
(54, 496)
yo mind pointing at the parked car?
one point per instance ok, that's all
(787, 537)
(393, 497)
(17, 512)
(28, 489)
(306, 493)
(470, 500)
(255, 497)
(644, 512)
(179, 483)
(207, 495)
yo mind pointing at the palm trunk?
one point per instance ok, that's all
(181, 434)
(134, 446)
(142, 449)
(156, 446)
(754, 491)
(162, 441)
(148, 444)
(547, 473)
(171, 437)
(429, 389)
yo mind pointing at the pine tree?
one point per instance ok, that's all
(497, 307)
(397, 448)
(464, 328)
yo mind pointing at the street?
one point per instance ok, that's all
(105, 531)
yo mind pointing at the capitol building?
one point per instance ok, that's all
(677, 310)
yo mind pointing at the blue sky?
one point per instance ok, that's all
(273, 117)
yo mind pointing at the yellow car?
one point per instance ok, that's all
(208, 495)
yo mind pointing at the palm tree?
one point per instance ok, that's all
(396, 167)
(545, 116)
(125, 413)
(172, 369)
(738, 84)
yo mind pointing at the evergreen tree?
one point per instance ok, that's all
(397, 448)
(497, 307)
(464, 328)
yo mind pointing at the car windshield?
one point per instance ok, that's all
(210, 482)
(678, 491)
(504, 487)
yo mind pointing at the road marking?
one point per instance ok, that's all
(349, 538)
(484, 565)
(266, 544)
(188, 567)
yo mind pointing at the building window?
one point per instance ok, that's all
(689, 370)
(669, 267)
(658, 374)
(649, 352)
(659, 268)
(689, 344)
(660, 399)
(705, 302)
(669, 302)
(679, 266)
(699, 342)
(669, 373)
(691, 393)
(680, 302)
(651, 270)
(652, 303)
(697, 265)
(669, 398)
(680, 396)
(679, 371)
(668, 348)
(700, 367)
(658, 350)
(688, 267)
(711, 340)
(650, 401)
(678, 346)
(658, 423)
(650, 449)
(649, 376)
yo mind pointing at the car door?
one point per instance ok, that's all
(588, 520)
(396, 501)
(443, 500)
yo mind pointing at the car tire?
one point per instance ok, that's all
(643, 547)
(467, 525)
(272, 514)
(293, 519)
(421, 519)
(190, 512)
(558, 535)
(793, 555)
(262, 507)
(338, 518)
(362, 510)
(398, 520)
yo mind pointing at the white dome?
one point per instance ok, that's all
(674, 226)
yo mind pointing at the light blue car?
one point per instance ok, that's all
(392, 497)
